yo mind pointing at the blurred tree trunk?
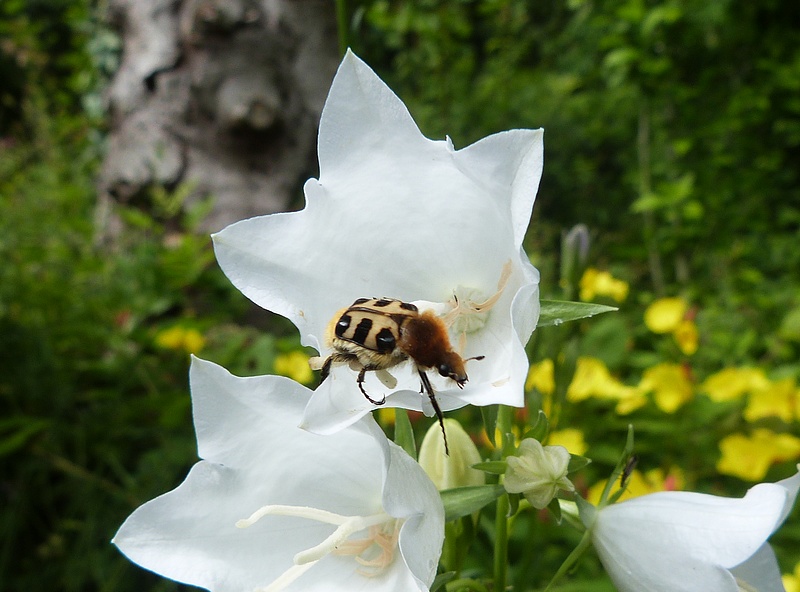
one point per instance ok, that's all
(220, 98)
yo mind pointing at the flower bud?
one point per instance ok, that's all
(538, 473)
(574, 254)
(455, 469)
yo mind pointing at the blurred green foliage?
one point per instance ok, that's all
(672, 131)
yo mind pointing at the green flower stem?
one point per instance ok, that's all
(450, 550)
(504, 416)
(501, 543)
(570, 561)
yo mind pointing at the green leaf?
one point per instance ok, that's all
(16, 431)
(495, 467)
(463, 501)
(556, 312)
(539, 429)
(576, 463)
(489, 415)
(513, 503)
(555, 509)
(404, 433)
(441, 580)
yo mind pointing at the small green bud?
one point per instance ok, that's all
(454, 470)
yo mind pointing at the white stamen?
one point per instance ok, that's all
(295, 512)
(286, 578)
(335, 543)
(353, 525)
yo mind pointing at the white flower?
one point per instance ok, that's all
(538, 473)
(691, 542)
(273, 507)
(397, 215)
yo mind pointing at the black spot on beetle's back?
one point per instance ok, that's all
(385, 340)
(360, 301)
(342, 325)
(382, 302)
(362, 330)
(408, 306)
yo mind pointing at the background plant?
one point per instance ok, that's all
(672, 133)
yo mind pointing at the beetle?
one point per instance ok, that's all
(374, 334)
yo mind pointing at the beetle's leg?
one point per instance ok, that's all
(326, 369)
(427, 388)
(335, 358)
(360, 382)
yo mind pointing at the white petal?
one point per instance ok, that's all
(525, 307)
(677, 573)
(685, 541)
(513, 158)
(761, 571)
(256, 456)
(366, 113)
(410, 493)
(189, 534)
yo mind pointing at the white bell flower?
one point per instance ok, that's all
(397, 215)
(681, 541)
(273, 507)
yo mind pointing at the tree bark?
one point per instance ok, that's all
(219, 97)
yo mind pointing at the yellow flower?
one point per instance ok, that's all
(294, 365)
(750, 458)
(642, 484)
(779, 399)
(686, 336)
(730, 384)
(540, 377)
(601, 283)
(670, 384)
(386, 416)
(180, 338)
(593, 379)
(791, 582)
(569, 438)
(632, 400)
(664, 315)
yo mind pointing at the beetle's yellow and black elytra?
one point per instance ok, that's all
(379, 333)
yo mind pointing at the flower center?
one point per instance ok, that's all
(374, 552)
(469, 308)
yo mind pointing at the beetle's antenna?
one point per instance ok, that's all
(427, 388)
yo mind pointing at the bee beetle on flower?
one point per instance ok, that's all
(374, 334)
(470, 206)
